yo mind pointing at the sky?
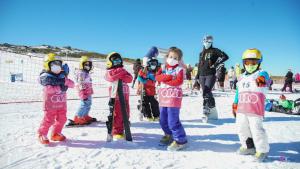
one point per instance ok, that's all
(131, 27)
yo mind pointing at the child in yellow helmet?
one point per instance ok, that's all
(55, 80)
(249, 106)
(85, 88)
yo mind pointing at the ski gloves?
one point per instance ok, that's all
(234, 109)
(261, 81)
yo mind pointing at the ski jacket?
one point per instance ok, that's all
(54, 91)
(148, 80)
(170, 92)
(249, 97)
(112, 76)
(84, 84)
(209, 59)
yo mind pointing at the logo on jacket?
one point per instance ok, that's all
(171, 93)
(58, 98)
(251, 98)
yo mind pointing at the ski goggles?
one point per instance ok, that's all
(251, 61)
(117, 61)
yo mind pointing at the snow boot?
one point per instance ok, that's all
(260, 157)
(58, 137)
(89, 119)
(246, 151)
(80, 120)
(176, 146)
(165, 140)
(43, 139)
(117, 137)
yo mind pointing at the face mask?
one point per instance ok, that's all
(251, 68)
(152, 67)
(207, 45)
(172, 62)
(87, 67)
(56, 69)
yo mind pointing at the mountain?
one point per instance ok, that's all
(62, 51)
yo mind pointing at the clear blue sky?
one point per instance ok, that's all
(132, 27)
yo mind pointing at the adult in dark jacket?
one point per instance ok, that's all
(288, 81)
(209, 59)
(137, 66)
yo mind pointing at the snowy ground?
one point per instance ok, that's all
(211, 145)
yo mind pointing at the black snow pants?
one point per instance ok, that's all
(207, 83)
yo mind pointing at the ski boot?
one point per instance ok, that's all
(249, 150)
(260, 157)
(117, 137)
(44, 139)
(176, 146)
(58, 137)
(80, 120)
(166, 140)
(246, 151)
(89, 119)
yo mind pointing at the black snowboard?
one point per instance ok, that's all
(128, 136)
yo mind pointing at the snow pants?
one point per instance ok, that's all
(207, 83)
(55, 118)
(85, 107)
(118, 127)
(171, 125)
(252, 127)
(151, 107)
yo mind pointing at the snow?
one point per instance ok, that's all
(211, 145)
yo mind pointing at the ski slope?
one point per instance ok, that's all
(211, 145)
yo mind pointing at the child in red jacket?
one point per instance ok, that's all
(115, 71)
(170, 96)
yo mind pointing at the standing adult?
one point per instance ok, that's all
(209, 59)
(288, 81)
(137, 66)
(231, 77)
(188, 75)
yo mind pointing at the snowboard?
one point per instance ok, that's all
(209, 114)
(141, 104)
(126, 124)
(71, 123)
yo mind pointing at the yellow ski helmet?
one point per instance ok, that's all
(113, 60)
(252, 54)
(50, 58)
(83, 59)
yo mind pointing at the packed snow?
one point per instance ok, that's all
(211, 145)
